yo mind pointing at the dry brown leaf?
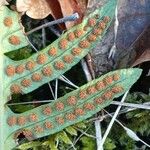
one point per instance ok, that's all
(3, 2)
(145, 56)
(66, 9)
(39, 9)
(62, 8)
(36, 9)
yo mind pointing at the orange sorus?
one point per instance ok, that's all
(47, 110)
(92, 22)
(68, 58)
(59, 106)
(76, 51)
(14, 40)
(47, 71)
(59, 65)
(84, 44)
(71, 36)
(15, 88)
(41, 59)
(70, 116)
(82, 94)
(26, 82)
(21, 120)
(63, 43)
(10, 70)
(52, 51)
(8, 22)
(30, 65)
(12, 121)
(36, 77)
(72, 100)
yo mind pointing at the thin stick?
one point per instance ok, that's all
(112, 121)
(98, 133)
(73, 17)
(140, 106)
(64, 79)
(56, 89)
(127, 130)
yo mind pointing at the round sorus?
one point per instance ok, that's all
(91, 90)
(98, 100)
(97, 31)
(78, 32)
(33, 117)
(68, 58)
(52, 51)
(76, 51)
(20, 69)
(116, 77)
(102, 25)
(107, 95)
(30, 65)
(89, 106)
(59, 65)
(100, 85)
(26, 82)
(36, 77)
(117, 89)
(47, 110)
(8, 22)
(106, 19)
(59, 106)
(63, 43)
(91, 38)
(84, 44)
(48, 125)
(28, 134)
(70, 116)
(41, 58)
(71, 36)
(60, 120)
(72, 100)
(108, 80)
(21, 120)
(11, 121)
(38, 129)
(92, 22)
(82, 94)
(47, 71)
(79, 111)
(15, 88)
(10, 70)
(14, 40)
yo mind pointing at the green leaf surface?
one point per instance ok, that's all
(75, 107)
(71, 130)
(69, 52)
(32, 144)
(11, 31)
(64, 137)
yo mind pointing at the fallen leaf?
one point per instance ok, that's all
(36, 9)
(39, 9)
(3, 2)
(62, 8)
(67, 9)
(145, 56)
